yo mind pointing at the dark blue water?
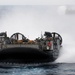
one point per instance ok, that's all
(39, 69)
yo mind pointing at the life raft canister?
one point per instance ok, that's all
(49, 44)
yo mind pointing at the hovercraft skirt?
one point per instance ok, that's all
(24, 55)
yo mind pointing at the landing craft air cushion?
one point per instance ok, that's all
(19, 49)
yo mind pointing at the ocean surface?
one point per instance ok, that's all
(39, 69)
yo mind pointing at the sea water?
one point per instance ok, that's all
(39, 69)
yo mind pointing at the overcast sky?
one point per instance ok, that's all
(37, 2)
(30, 17)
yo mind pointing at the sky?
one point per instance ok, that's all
(31, 20)
(37, 2)
(31, 17)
